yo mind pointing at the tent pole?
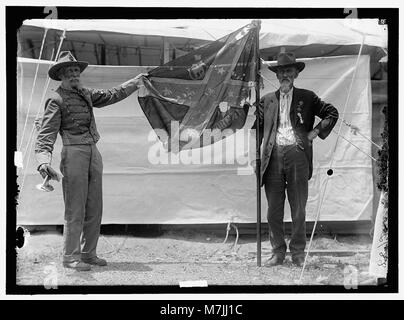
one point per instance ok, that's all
(258, 148)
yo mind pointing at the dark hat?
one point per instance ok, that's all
(287, 59)
(66, 59)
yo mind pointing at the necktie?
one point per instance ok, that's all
(284, 102)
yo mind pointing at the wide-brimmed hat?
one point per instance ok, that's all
(287, 59)
(66, 59)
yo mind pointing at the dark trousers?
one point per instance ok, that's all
(288, 169)
(81, 166)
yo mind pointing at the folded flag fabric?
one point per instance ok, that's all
(189, 100)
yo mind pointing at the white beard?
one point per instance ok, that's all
(286, 86)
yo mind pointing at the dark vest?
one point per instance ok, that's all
(77, 118)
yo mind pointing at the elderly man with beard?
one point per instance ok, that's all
(286, 127)
(69, 112)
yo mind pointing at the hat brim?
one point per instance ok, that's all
(299, 65)
(54, 70)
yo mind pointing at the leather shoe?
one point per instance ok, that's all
(77, 265)
(298, 261)
(275, 260)
(96, 261)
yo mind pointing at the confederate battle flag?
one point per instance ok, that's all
(203, 92)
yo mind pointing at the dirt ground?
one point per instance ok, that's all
(189, 256)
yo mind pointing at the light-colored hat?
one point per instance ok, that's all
(287, 59)
(66, 59)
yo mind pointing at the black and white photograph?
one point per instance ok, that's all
(202, 150)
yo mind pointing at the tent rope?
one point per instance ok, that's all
(227, 232)
(355, 146)
(29, 146)
(36, 118)
(237, 236)
(229, 225)
(357, 131)
(347, 99)
(30, 142)
(332, 160)
(33, 88)
(271, 83)
(115, 249)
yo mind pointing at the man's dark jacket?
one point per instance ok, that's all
(304, 107)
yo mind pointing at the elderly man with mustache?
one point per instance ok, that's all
(69, 112)
(286, 119)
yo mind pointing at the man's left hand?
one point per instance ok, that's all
(140, 76)
(312, 134)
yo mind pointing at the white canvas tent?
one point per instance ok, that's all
(196, 195)
(307, 38)
(274, 32)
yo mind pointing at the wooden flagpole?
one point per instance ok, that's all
(258, 147)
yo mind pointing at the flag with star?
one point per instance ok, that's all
(188, 100)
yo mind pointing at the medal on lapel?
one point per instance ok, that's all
(299, 111)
